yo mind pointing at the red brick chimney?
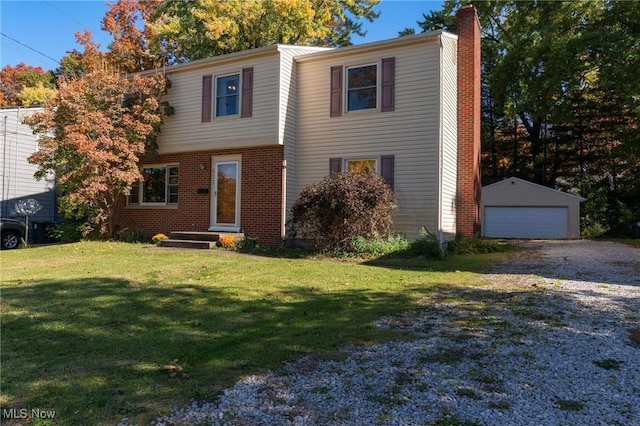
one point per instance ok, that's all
(469, 179)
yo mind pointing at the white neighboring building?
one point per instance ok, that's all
(18, 143)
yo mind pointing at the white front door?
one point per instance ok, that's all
(225, 200)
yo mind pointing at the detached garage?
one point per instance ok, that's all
(516, 208)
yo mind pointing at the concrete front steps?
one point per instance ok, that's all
(196, 240)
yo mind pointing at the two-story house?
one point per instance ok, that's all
(252, 128)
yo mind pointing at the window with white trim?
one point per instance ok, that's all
(362, 87)
(227, 99)
(159, 186)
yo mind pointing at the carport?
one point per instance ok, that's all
(516, 208)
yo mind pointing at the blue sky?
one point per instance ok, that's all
(39, 33)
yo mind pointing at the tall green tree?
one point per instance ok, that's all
(560, 95)
(533, 55)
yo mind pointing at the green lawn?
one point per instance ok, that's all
(633, 242)
(98, 331)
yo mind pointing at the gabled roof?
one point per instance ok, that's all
(313, 52)
(234, 56)
(532, 185)
(376, 45)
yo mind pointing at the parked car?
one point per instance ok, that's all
(11, 233)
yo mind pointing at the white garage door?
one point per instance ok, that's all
(525, 222)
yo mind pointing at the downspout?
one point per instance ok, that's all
(440, 234)
(15, 157)
(283, 213)
(4, 165)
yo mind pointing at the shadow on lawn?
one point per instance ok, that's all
(95, 350)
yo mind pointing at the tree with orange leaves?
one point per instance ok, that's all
(131, 49)
(93, 136)
(15, 80)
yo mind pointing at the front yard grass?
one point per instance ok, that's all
(98, 331)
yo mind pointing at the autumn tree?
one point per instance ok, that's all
(78, 62)
(38, 95)
(93, 136)
(15, 80)
(128, 22)
(104, 120)
(196, 29)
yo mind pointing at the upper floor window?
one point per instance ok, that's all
(362, 87)
(365, 87)
(159, 186)
(227, 99)
(228, 94)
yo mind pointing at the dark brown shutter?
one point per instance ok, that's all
(206, 98)
(386, 169)
(336, 91)
(335, 165)
(388, 84)
(247, 93)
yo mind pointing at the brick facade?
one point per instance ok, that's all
(261, 196)
(469, 183)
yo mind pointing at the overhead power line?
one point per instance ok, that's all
(62, 12)
(31, 48)
(65, 14)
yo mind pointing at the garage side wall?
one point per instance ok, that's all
(519, 193)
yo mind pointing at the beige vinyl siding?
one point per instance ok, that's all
(410, 133)
(18, 183)
(515, 192)
(288, 87)
(288, 114)
(449, 135)
(184, 131)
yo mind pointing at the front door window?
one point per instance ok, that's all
(226, 196)
(227, 177)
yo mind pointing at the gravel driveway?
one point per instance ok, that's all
(542, 340)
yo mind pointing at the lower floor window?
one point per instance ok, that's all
(159, 186)
(361, 166)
